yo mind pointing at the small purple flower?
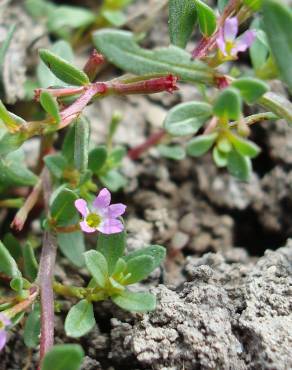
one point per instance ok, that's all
(101, 216)
(227, 42)
(4, 322)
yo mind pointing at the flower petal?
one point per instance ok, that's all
(87, 229)
(111, 226)
(230, 29)
(244, 42)
(116, 210)
(221, 42)
(5, 319)
(3, 339)
(102, 200)
(81, 206)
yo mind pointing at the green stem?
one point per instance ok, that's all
(278, 105)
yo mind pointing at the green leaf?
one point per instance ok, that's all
(200, 144)
(277, 104)
(63, 357)
(69, 16)
(224, 145)
(97, 266)
(29, 262)
(175, 152)
(10, 142)
(245, 147)
(56, 163)
(121, 49)
(32, 327)
(116, 155)
(113, 180)
(259, 50)
(13, 246)
(38, 8)
(228, 104)
(17, 284)
(112, 246)
(206, 17)
(157, 252)
(137, 302)
(139, 267)
(63, 210)
(81, 144)
(72, 246)
(187, 118)
(8, 265)
(3, 50)
(251, 89)
(119, 267)
(13, 171)
(80, 319)
(114, 17)
(45, 76)
(239, 166)
(182, 20)
(255, 5)
(97, 158)
(50, 105)
(62, 69)
(68, 144)
(6, 117)
(277, 21)
(219, 157)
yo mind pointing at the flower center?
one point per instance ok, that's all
(229, 45)
(2, 326)
(93, 220)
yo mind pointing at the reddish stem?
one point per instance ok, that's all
(153, 139)
(93, 65)
(45, 277)
(46, 272)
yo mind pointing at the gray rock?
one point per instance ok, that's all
(229, 316)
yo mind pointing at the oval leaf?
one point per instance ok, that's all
(187, 118)
(62, 69)
(32, 328)
(157, 252)
(63, 357)
(137, 302)
(139, 268)
(63, 210)
(200, 144)
(175, 152)
(251, 89)
(245, 147)
(97, 266)
(112, 246)
(50, 105)
(80, 319)
(239, 166)
(182, 20)
(207, 18)
(72, 246)
(220, 158)
(228, 104)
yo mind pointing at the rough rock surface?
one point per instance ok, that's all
(233, 314)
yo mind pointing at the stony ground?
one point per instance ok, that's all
(219, 306)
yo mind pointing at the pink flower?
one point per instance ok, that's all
(101, 216)
(4, 322)
(227, 42)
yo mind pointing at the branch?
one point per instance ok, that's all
(45, 278)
